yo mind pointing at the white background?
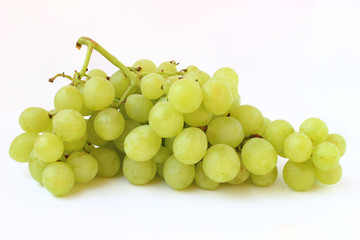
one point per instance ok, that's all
(295, 59)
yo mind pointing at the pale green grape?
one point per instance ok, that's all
(162, 155)
(69, 125)
(22, 146)
(58, 178)
(142, 143)
(221, 163)
(329, 177)
(93, 137)
(217, 97)
(120, 83)
(34, 119)
(138, 108)
(190, 145)
(139, 173)
(108, 161)
(84, 165)
(36, 167)
(191, 68)
(98, 93)
(236, 102)
(265, 125)
(265, 180)
(229, 72)
(48, 147)
(202, 180)
(178, 175)
(315, 129)
(259, 156)
(144, 65)
(229, 82)
(167, 67)
(165, 121)
(74, 146)
(97, 73)
(299, 176)
(226, 130)
(326, 156)
(129, 126)
(243, 174)
(85, 111)
(169, 81)
(200, 117)
(169, 142)
(185, 96)
(68, 97)
(49, 128)
(250, 118)
(276, 133)
(160, 169)
(198, 76)
(339, 141)
(298, 147)
(152, 86)
(109, 124)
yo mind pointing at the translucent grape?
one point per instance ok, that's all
(34, 119)
(152, 86)
(298, 147)
(265, 180)
(217, 97)
(243, 174)
(109, 124)
(84, 165)
(48, 147)
(229, 82)
(198, 76)
(178, 175)
(108, 161)
(250, 118)
(138, 108)
(200, 117)
(85, 111)
(326, 156)
(191, 68)
(98, 93)
(129, 126)
(266, 123)
(229, 72)
(202, 180)
(169, 142)
(315, 129)
(22, 146)
(329, 177)
(36, 167)
(93, 137)
(162, 155)
(120, 83)
(68, 97)
(58, 178)
(70, 147)
(299, 176)
(169, 81)
(69, 125)
(97, 73)
(139, 173)
(276, 133)
(339, 141)
(144, 65)
(167, 67)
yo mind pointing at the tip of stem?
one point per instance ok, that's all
(78, 46)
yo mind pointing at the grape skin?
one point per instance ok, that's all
(128, 127)
(109, 124)
(98, 93)
(229, 72)
(178, 175)
(329, 177)
(202, 180)
(34, 119)
(36, 167)
(265, 180)
(315, 129)
(298, 147)
(139, 173)
(152, 86)
(299, 176)
(217, 97)
(120, 83)
(326, 156)
(250, 118)
(58, 178)
(22, 146)
(84, 165)
(200, 117)
(138, 108)
(68, 97)
(144, 65)
(48, 147)
(108, 161)
(276, 133)
(69, 125)
(339, 141)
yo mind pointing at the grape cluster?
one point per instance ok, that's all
(184, 126)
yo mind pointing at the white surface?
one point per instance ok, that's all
(295, 59)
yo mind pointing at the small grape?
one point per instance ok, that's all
(329, 177)
(139, 173)
(217, 97)
(34, 119)
(198, 76)
(129, 126)
(58, 178)
(339, 141)
(109, 124)
(36, 167)
(84, 165)
(138, 108)
(276, 133)
(108, 161)
(167, 67)
(326, 156)
(69, 125)
(22, 146)
(265, 180)
(144, 65)
(298, 147)
(120, 83)
(250, 118)
(178, 175)
(68, 97)
(98, 93)
(93, 137)
(315, 129)
(169, 142)
(299, 176)
(229, 72)
(48, 147)
(85, 111)
(152, 86)
(200, 117)
(243, 174)
(202, 180)
(97, 73)
(74, 146)
(162, 155)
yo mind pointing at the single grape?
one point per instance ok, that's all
(69, 125)
(243, 174)
(200, 117)
(198, 76)
(298, 147)
(167, 67)
(191, 68)
(329, 177)
(169, 142)
(36, 167)
(98, 93)
(250, 118)
(217, 97)
(97, 73)
(48, 147)
(299, 176)
(276, 133)
(84, 165)
(58, 178)
(85, 111)
(68, 97)
(139, 173)
(178, 175)
(144, 65)
(22, 146)
(169, 81)
(138, 108)
(120, 83)
(108, 161)
(109, 124)
(339, 141)
(93, 137)
(129, 126)
(326, 156)
(265, 180)
(152, 86)
(315, 129)
(266, 123)
(34, 119)
(162, 155)
(229, 82)
(229, 72)
(75, 146)
(202, 180)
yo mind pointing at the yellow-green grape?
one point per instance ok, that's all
(129, 126)
(162, 155)
(217, 97)
(339, 141)
(250, 118)
(298, 147)
(49, 128)
(169, 142)
(144, 65)
(139, 173)
(326, 156)
(160, 169)
(97, 73)
(266, 123)
(191, 68)
(276, 133)
(85, 111)
(84, 165)
(229, 82)
(169, 81)
(138, 108)
(236, 102)
(22, 146)
(98, 93)
(243, 174)
(152, 86)
(299, 176)
(226, 130)
(108, 161)
(165, 121)
(229, 72)
(74, 146)
(202, 180)
(69, 125)
(200, 117)
(198, 76)
(167, 67)
(178, 175)
(142, 143)
(48, 147)
(259, 156)
(265, 180)
(120, 83)
(109, 124)
(315, 129)
(68, 97)
(93, 137)
(34, 119)
(329, 177)
(58, 178)
(190, 145)
(185, 96)
(221, 163)
(36, 167)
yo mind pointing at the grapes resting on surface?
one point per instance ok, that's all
(84, 165)
(178, 175)
(108, 161)
(58, 178)
(202, 180)
(299, 176)
(139, 173)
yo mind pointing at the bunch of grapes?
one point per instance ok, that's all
(184, 126)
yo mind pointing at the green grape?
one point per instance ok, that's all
(236, 102)
(185, 96)
(265, 125)
(49, 129)
(329, 177)
(191, 68)
(217, 97)
(97, 73)
(98, 93)
(315, 129)
(85, 111)
(250, 118)
(298, 147)
(48, 147)
(265, 180)
(93, 137)
(138, 108)
(169, 142)
(34, 119)
(129, 126)
(178, 175)
(120, 83)
(36, 167)
(162, 155)
(144, 65)
(165, 121)
(229, 82)
(276, 133)
(221, 163)
(139, 173)
(299, 176)
(68, 97)
(259, 156)
(243, 174)
(58, 178)
(229, 72)
(160, 169)
(226, 130)
(69, 125)
(142, 143)
(84, 165)
(339, 141)
(109, 124)
(190, 145)
(200, 117)
(75, 146)
(152, 86)
(202, 180)
(198, 76)
(108, 161)
(167, 67)
(22, 146)
(326, 156)
(169, 81)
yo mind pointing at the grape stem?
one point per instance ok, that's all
(60, 75)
